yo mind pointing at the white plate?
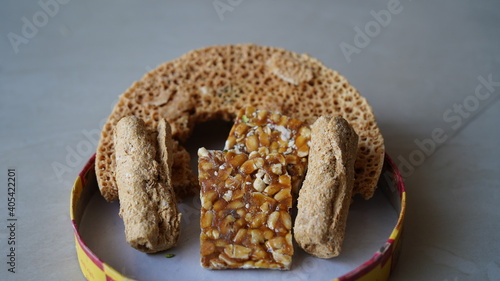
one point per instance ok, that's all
(370, 222)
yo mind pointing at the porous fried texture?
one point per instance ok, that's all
(147, 200)
(215, 82)
(325, 196)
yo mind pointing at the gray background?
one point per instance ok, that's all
(419, 69)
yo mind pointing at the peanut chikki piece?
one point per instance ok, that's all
(264, 132)
(245, 203)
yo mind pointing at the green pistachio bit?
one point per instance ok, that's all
(244, 118)
(169, 256)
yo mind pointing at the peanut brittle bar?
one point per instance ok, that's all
(245, 220)
(246, 191)
(267, 132)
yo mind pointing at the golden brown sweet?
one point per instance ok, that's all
(246, 191)
(266, 132)
(245, 222)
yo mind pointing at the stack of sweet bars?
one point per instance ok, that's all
(246, 191)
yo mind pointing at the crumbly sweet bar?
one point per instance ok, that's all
(325, 196)
(245, 203)
(265, 132)
(147, 200)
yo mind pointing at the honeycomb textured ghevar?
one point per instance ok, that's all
(215, 82)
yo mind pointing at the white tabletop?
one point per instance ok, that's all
(431, 71)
